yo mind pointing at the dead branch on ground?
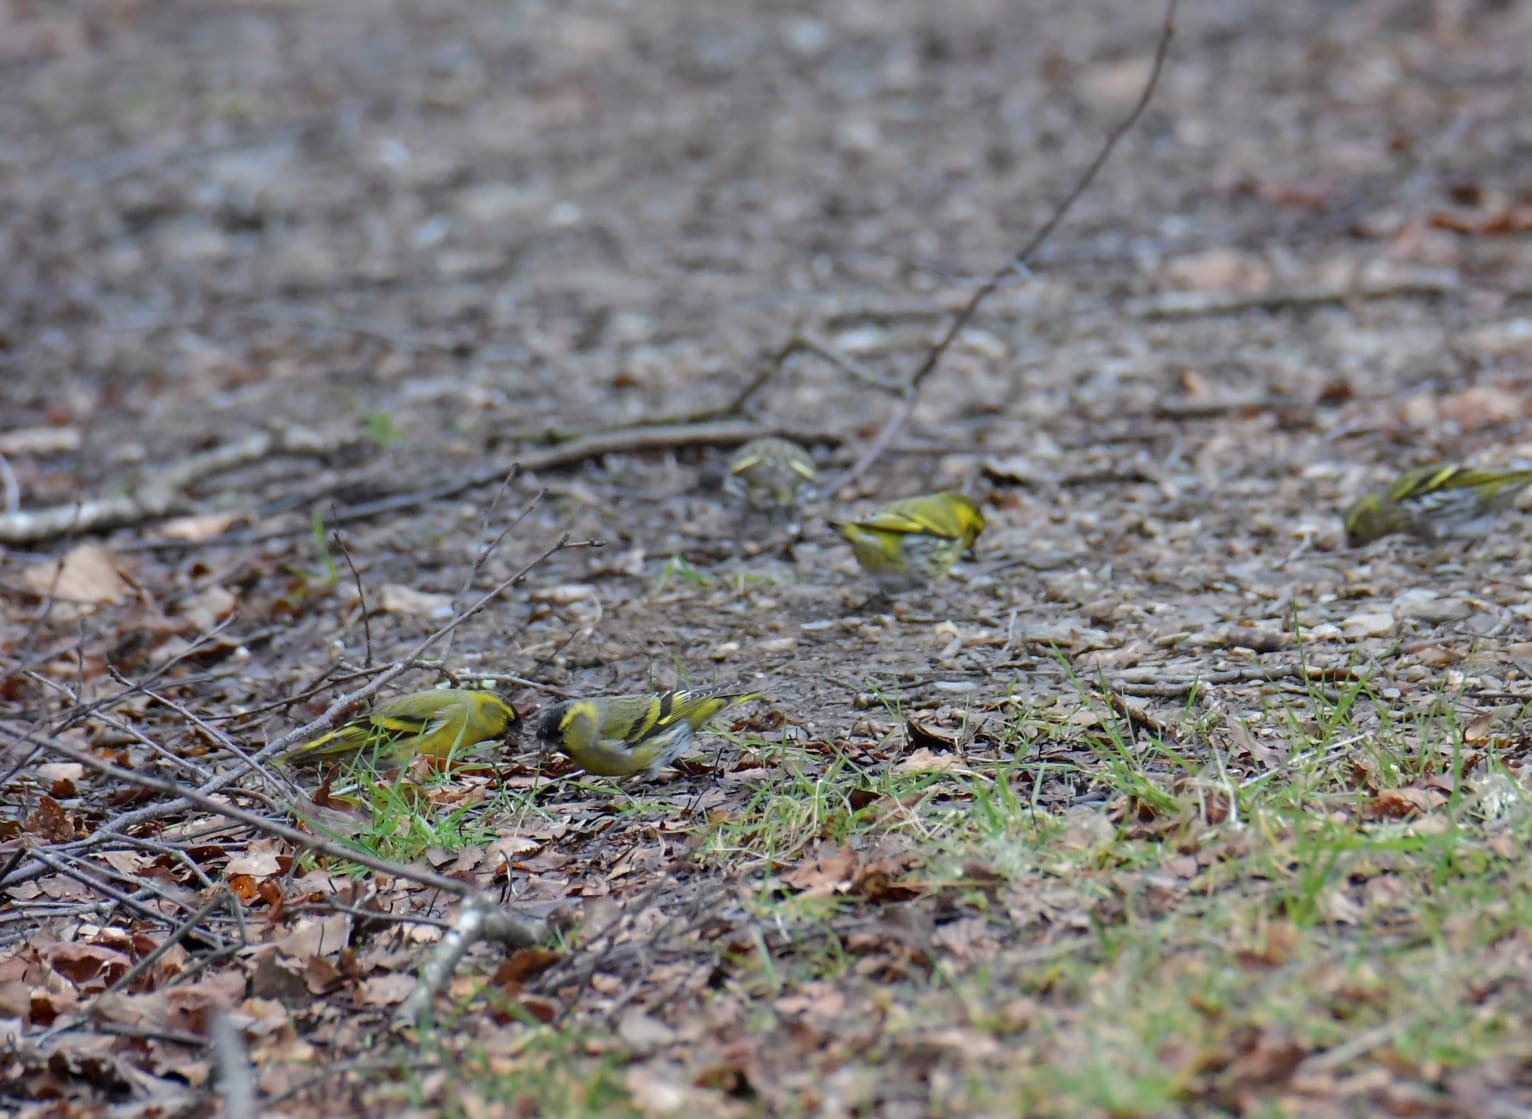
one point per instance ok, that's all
(1436, 284)
(236, 1079)
(477, 921)
(161, 493)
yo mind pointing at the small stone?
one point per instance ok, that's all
(565, 593)
(1484, 624)
(1429, 606)
(1368, 625)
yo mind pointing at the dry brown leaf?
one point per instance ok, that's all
(1469, 409)
(525, 963)
(925, 761)
(880, 876)
(643, 1032)
(1368, 624)
(512, 847)
(82, 963)
(1271, 755)
(278, 977)
(256, 863)
(968, 938)
(822, 876)
(732, 1067)
(1278, 941)
(395, 598)
(1482, 406)
(187, 1007)
(1298, 192)
(657, 1087)
(48, 1006)
(316, 936)
(201, 527)
(388, 989)
(320, 974)
(49, 772)
(543, 1009)
(1407, 801)
(1512, 338)
(1116, 82)
(87, 574)
(1270, 1059)
(926, 737)
(1339, 908)
(126, 863)
(1129, 653)
(817, 1000)
(15, 999)
(1484, 222)
(50, 821)
(1221, 271)
(206, 609)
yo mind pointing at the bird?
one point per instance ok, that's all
(439, 723)
(1432, 502)
(770, 473)
(614, 736)
(909, 543)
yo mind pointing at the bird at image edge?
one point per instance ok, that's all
(438, 723)
(1432, 502)
(614, 736)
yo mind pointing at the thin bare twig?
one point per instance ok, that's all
(649, 437)
(568, 449)
(532, 930)
(324, 722)
(129, 977)
(78, 712)
(489, 549)
(526, 682)
(9, 487)
(374, 916)
(816, 344)
(769, 369)
(1018, 261)
(236, 1079)
(1193, 304)
(356, 578)
(807, 340)
(63, 864)
(1157, 683)
(216, 735)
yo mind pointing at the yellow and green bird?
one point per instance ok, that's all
(440, 723)
(770, 473)
(909, 543)
(614, 736)
(1433, 502)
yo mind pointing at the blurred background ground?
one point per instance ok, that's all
(458, 227)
